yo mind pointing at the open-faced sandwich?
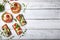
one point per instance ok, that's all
(6, 30)
(17, 28)
(7, 17)
(21, 19)
(16, 8)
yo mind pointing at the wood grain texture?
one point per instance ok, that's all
(43, 5)
(43, 24)
(39, 34)
(42, 14)
(39, 14)
(42, 34)
(39, 0)
(43, 19)
(49, 5)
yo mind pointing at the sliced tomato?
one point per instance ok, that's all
(16, 4)
(15, 24)
(8, 20)
(19, 32)
(13, 8)
(7, 16)
(6, 27)
(14, 27)
(19, 28)
(18, 17)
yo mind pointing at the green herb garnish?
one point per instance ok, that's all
(5, 1)
(15, 20)
(23, 4)
(24, 31)
(17, 26)
(24, 9)
(2, 8)
(22, 35)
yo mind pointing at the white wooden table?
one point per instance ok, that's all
(43, 19)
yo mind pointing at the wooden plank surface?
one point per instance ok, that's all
(41, 5)
(38, 34)
(40, 14)
(42, 34)
(39, 0)
(43, 24)
(43, 19)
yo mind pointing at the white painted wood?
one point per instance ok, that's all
(41, 5)
(39, 19)
(42, 34)
(37, 4)
(39, 34)
(39, 0)
(43, 24)
(38, 25)
(41, 14)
